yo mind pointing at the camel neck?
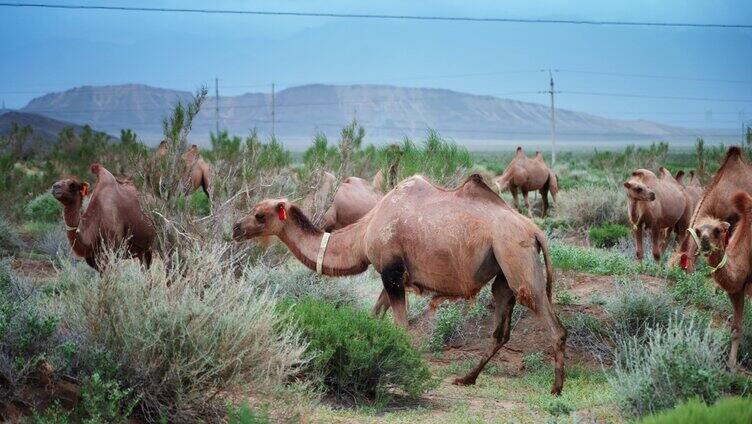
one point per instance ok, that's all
(734, 273)
(344, 252)
(72, 219)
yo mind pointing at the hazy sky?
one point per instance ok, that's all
(53, 50)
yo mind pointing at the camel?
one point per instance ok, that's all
(198, 172)
(734, 175)
(659, 204)
(729, 256)
(112, 217)
(450, 242)
(353, 199)
(526, 175)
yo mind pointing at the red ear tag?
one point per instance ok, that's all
(684, 261)
(85, 191)
(282, 214)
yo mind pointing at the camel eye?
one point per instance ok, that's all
(716, 232)
(260, 217)
(638, 189)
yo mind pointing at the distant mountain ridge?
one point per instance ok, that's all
(387, 113)
(44, 129)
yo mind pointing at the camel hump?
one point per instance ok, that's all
(519, 152)
(539, 156)
(679, 177)
(734, 152)
(475, 186)
(103, 175)
(743, 203)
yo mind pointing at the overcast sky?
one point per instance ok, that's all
(43, 50)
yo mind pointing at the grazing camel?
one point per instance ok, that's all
(198, 172)
(730, 256)
(659, 204)
(450, 242)
(526, 175)
(113, 216)
(734, 175)
(352, 201)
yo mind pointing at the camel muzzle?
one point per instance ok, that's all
(237, 232)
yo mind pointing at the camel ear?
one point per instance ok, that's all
(725, 225)
(84, 189)
(627, 184)
(281, 211)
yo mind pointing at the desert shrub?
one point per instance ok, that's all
(588, 333)
(607, 235)
(633, 309)
(590, 260)
(565, 298)
(10, 242)
(357, 357)
(591, 206)
(43, 208)
(199, 203)
(734, 410)
(181, 336)
(104, 401)
(533, 361)
(698, 290)
(438, 158)
(244, 414)
(449, 320)
(670, 364)
(745, 346)
(294, 281)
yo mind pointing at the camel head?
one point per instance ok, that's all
(267, 218)
(70, 191)
(637, 186)
(711, 235)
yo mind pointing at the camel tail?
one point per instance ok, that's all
(543, 245)
(553, 184)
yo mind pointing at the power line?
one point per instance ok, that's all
(378, 16)
(648, 96)
(669, 77)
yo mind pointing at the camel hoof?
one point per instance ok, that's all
(556, 391)
(463, 381)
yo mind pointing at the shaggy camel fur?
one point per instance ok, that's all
(198, 172)
(658, 204)
(450, 242)
(113, 216)
(352, 201)
(734, 175)
(730, 258)
(526, 175)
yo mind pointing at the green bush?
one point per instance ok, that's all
(607, 235)
(199, 203)
(244, 414)
(449, 320)
(104, 401)
(669, 365)
(633, 309)
(10, 242)
(357, 357)
(43, 208)
(584, 207)
(591, 260)
(735, 410)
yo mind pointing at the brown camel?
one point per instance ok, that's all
(658, 204)
(113, 216)
(352, 201)
(526, 175)
(450, 242)
(198, 172)
(735, 174)
(730, 258)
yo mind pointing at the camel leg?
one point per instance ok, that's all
(394, 286)
(546, 311)
(544, 199)
(527, 204)
(657, 235)
(92, 261)
(638, 240)
(737, 301)
(381, 306)
(145, 259)
(503, 299)
(515, 199)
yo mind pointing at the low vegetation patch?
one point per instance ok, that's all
(356, 357)
(607, 235)
(449, 319)
(43, 208)
(589, 206)
(735, 410)
(671, 364)
(591, 260)
(633, 310)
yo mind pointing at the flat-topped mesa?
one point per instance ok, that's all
(448, 242)
(113, 216)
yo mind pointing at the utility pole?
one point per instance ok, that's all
(274, 113)
(216, 105)
(553, 120)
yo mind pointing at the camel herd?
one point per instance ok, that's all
(427, 239)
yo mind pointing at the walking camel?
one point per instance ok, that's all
(526, 175)
(113, 216)
(450, 242)
(730, 258)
